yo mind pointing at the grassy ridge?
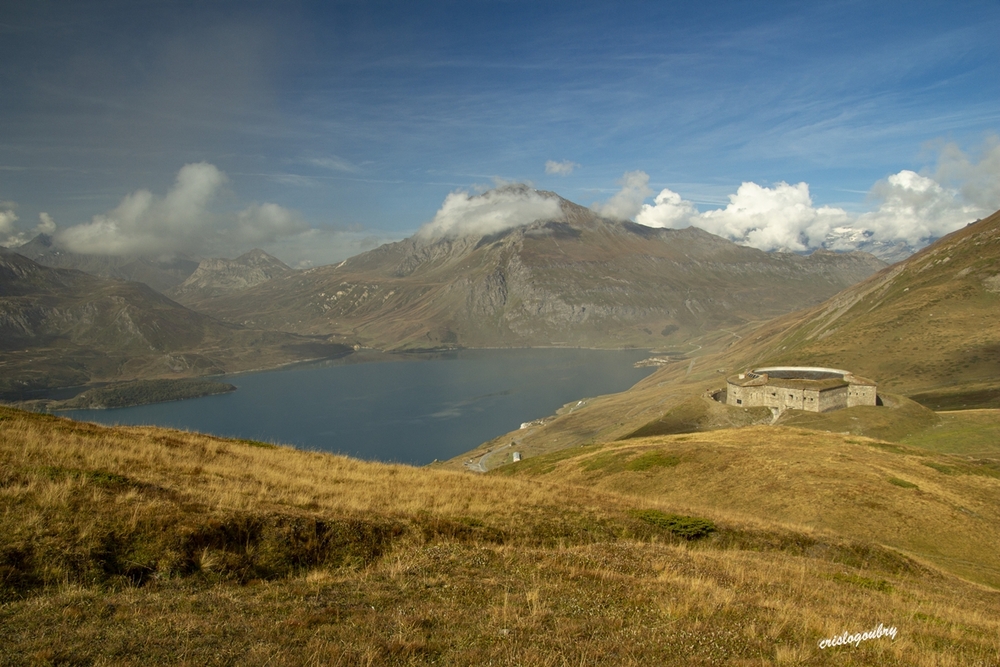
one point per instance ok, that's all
(144, 545)
(944, 509)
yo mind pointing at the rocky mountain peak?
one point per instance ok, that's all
(219, 276)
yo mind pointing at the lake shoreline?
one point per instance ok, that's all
(434, 407)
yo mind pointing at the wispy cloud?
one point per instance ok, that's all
(564, 168)
(11, 236)
(334, 163)
(295, 179)
(627, 202)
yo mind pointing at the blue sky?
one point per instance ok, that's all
(362, 117)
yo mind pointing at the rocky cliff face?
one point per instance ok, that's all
(219, 276)
(577, 279)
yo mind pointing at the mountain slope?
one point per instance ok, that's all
(930, 323)
(577, 279)
(927, 328)
(159, 273)
(218, 276)
(845, 484)
(61, 327)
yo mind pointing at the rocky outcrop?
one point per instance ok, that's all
(219, 276)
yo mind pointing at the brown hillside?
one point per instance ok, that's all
(941, 509)
(928, 324)
(150, 546)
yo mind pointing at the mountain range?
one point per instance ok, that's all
(576, 279)
(160, 273)
(62, 327)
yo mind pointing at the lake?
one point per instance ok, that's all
(412, 409)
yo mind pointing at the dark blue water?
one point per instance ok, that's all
(410, 411)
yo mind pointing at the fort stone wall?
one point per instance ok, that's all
(800, 388)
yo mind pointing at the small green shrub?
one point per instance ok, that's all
(687, 527)
(947, 470)
(902, 483)
(880, 585)
(609, 462)
(101, 478)
(258, 443)
(655, 459)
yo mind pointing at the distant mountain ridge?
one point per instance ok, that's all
(62, 327)
(927, 328)
(218, 276)
(576, 279)
(160, 274)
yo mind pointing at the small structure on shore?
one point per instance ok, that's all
(800, 388)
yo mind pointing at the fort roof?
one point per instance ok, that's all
(818, 385)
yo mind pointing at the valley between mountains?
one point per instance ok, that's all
(573, 280)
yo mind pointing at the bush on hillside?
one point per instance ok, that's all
(687, 527)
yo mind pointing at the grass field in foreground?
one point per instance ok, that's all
(150, 546)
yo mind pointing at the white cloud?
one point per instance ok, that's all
(915, 208)
(627, 202)
(782, 217)
(46, 225)
(978, 182)
(182, 221)
(10, 237)
(463, 214)
(15, 238)
(564, 168)
(908, 208)
(668, 210)
(7, 220)
(264, 223)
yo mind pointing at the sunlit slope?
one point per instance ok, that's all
(929, 324)
(944, 509)
(225, 550)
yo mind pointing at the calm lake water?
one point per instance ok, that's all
(412, 410)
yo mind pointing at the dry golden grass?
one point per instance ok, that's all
(944, 509)
(149, 546)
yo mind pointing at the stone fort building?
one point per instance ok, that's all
(800, 388)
